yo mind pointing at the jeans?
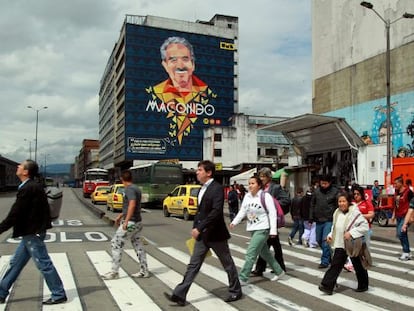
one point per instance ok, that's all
(32, 246)
(322, 230)
(402, 235)
(297, 226)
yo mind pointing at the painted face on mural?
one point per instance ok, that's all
(179, 65)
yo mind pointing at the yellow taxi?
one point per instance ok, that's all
(182, 201)
(100, 194)
(115, 198)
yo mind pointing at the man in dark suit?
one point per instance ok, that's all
(209, 231)
(30, 218)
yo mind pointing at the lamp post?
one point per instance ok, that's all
(44, 168)
(30, 147)
(387, 24)
(37, 123)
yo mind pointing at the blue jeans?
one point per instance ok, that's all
(32, 246)
(297, 226)
(402, 235)
(322, 231)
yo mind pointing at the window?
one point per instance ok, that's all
(217, 152)
(217, 137)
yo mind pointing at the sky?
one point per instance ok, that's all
(53, 54)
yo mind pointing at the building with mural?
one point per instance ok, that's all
(166, 82)
(349, 68)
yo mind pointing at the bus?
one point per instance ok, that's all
(94, 177)
(156, 180)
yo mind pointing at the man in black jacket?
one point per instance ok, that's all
(209, 231)
(30, 218)
(324, 203)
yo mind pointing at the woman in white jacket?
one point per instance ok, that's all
(348, 223)
(261, 223)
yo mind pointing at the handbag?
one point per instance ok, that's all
(357, 247)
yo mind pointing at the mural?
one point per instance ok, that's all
(369, 120)
(177, 84)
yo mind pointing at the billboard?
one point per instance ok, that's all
(176, 84)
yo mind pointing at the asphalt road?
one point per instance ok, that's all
(79, 245)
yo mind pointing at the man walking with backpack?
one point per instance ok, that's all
(282, 196)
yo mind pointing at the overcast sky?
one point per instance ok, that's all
(53, 53)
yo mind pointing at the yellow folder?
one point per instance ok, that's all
(190, 245)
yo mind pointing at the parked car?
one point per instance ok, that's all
(115, 198)
(100, 195)
(182, 201)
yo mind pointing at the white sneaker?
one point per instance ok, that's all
(278, 277)
(405, 256)
(141, 274)
(243, 283)
(110, 276)
(290, 241)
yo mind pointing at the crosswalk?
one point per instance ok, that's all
(391, 282)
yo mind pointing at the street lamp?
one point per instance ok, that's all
(37, 122)
(30, 147)
(44, 168)
(387, 23)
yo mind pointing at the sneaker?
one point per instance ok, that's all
(110, 276)
(278, 277)
(305, 242)
(141, 274)
(290, 241)
(405, 256)
(243, 283)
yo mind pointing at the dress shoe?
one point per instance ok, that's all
(360, 290)
(233, 297)
(325, 289)
(51, 301)
(2, 300)
(176, 299)
(323, 266)
(256, 273)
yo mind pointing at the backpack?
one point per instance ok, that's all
(279, 212)
(282, 196)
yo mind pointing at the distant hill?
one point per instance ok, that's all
(54, 169)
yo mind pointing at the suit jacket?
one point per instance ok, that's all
(209, 219)
(30, 212)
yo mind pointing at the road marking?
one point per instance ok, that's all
(127, 294)
(269, 299)
(338, 299)
(61, 263)
(197, 296)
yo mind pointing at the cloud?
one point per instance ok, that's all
(54, 52)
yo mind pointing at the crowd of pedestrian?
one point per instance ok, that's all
(337, 221)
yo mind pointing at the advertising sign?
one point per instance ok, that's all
(177, 84)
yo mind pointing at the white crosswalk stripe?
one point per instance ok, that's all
(391, 279)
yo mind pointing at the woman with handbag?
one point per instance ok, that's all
(259, 208)
(349, 226)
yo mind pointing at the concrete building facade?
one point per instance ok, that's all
(349, 67)
(136, 123)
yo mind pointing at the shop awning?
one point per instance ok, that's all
(314, 134)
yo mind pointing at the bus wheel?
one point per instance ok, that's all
(166, 213)
(382, 219)
(186, 215)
